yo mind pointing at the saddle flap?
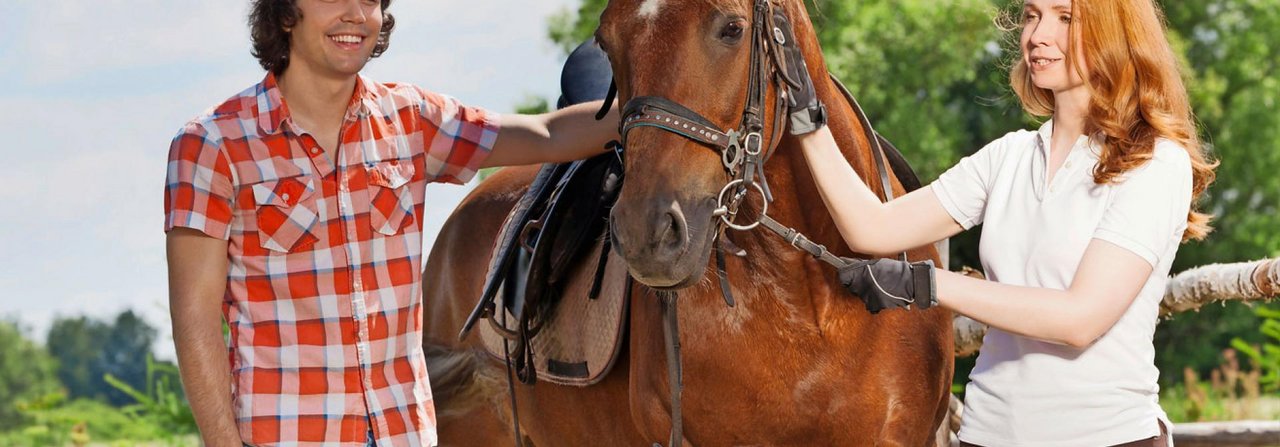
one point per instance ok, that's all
(507, 244)
(582, 340)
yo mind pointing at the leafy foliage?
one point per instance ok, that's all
(26, 374)
(1267, 355)
(53, 421)
(35, 410)
(161, 403)
(89, 349)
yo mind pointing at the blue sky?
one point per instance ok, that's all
(93, 91)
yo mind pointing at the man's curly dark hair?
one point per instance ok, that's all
(269, 18)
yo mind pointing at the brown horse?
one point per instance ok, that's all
(797, 361)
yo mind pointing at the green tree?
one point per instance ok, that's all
(1231, 49)
(570, 28)
(26, 374)
(76, 343)
(125, 355)
(88, 349)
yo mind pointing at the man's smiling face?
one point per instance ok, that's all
(334, 38)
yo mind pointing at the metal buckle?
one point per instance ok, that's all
(753, 142)
(722, 211)
(731, 156)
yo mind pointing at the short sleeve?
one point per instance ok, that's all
(458, 138)
(963, 189)
(198, 186)
(1148, 208)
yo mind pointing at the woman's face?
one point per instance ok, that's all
(1046, 39)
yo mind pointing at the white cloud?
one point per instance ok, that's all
(90, 111)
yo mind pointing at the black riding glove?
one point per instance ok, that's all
(890, 283)
(805, 112)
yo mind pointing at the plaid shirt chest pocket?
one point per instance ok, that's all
(286, 213)
(391, 201)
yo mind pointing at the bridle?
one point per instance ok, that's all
(743, 152)
(742, 149)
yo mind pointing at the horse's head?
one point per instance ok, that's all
(696, 55)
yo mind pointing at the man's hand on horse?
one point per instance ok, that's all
(890, 283)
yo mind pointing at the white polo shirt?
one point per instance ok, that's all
(1027, 392)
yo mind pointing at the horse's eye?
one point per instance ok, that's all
(732, 32)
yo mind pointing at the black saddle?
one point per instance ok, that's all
(564, 211)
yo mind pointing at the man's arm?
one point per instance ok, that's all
(197, 283)
(571, 133)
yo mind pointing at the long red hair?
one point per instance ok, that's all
(1136, 93)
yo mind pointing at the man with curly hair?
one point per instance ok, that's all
(294, 212)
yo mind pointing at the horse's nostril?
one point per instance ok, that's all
(673, 229)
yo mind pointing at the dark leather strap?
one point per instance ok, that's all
(601, 264)
(801, 242)
(675, 375)
(723, 275)
(876, 149)
(511, 390)
(655, 111)
(608, 100)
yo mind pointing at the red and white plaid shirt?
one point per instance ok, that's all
(323, 295)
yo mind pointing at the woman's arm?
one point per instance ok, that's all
(1106, 283)
(866, 224)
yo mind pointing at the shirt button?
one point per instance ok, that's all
(315, 150)
(1067, 165)
(285, 196)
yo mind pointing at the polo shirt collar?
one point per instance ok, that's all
(1083, 153)
(1083, 142)
(273, 112)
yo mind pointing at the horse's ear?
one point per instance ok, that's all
(587, 75)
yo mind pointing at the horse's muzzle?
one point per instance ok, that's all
(660, 246)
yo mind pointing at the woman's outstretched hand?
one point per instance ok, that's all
(890, 283)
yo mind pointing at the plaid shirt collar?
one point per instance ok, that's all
(273, 112)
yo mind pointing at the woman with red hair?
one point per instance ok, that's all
(1082, 219)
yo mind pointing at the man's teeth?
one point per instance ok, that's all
(346, 39)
